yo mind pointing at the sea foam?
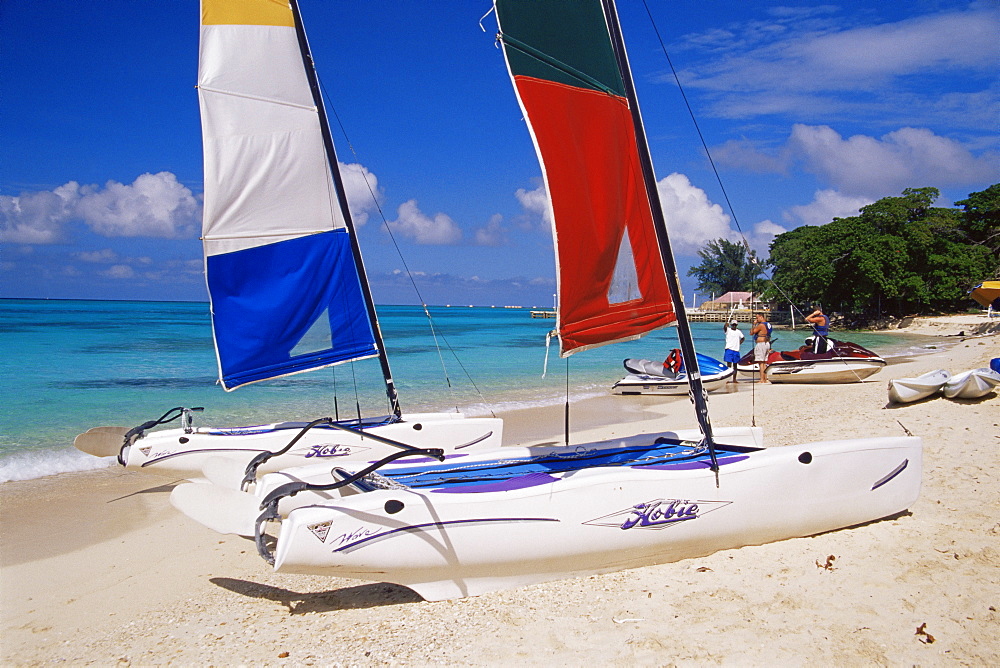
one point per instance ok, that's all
(30, 464)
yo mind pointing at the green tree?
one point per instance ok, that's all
(726, 266)
(900, 255)
(981, 220)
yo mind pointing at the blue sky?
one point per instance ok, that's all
(810, 111)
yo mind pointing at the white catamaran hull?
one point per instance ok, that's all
(906, 390)
(450, 545)
(174, 453)
(645, 384)
(972, 384)
(837, 370)
(229, 511)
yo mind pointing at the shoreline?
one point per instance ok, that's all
(97, 567)
(34, 462)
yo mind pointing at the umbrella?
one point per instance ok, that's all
(987, 293)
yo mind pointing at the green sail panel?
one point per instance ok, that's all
(557, 41)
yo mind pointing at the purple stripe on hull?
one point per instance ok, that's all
(895, 472)
(350, 547)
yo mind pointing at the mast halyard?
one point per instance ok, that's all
(331, 154)
(698, 395)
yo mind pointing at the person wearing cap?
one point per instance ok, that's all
(734, 338)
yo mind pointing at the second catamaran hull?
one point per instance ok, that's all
(174, 453)
(450, 545)
(228, 512)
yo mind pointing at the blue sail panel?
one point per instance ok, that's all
(287, 307)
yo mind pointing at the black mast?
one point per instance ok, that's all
(331, 155)
(698, 395)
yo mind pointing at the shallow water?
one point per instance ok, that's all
(71, 365)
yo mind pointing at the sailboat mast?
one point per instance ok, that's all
(331, 155)
(660, 225)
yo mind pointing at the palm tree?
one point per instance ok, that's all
(726, 266)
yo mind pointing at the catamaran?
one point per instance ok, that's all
(487, 520)
(285, 275)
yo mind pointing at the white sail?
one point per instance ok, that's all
(278, 252)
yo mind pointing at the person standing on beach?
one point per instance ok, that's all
(734, 339)
(821, 330)
(761, 331)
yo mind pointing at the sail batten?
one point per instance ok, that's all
(280, 264)
(567, 81)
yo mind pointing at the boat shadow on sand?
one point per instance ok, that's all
(359, 597)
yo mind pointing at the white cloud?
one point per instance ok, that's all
(826, 205)
(104, 256)
(812, 66)
(743, 154)
(536, 202)
(119, 271)
(863, 167)
(363, 194)
(692, 220)
(492, 234)
(154, 205)
(938, 42)
(38, 217)
(875, 167)
(762, 235)
(412, 223)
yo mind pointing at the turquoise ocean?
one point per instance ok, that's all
(68, 366)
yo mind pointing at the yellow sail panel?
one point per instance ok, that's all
(247, 12)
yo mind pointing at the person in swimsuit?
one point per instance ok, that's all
(821, 330)
(761, 332)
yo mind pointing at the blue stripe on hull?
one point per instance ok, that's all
(266, 299)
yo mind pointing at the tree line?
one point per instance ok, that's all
(898, 256)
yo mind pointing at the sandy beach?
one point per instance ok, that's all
(98, 568)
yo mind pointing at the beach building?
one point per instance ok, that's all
(734, 301)
(732, 305)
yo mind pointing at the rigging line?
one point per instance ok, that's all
(392, 237)
(715, 170)
(458, 360)
(694, 120)
(409, 274)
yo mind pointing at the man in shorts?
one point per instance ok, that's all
(761, 333)
(734, 338)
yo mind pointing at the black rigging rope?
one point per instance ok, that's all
(718, 177)
(409, 275)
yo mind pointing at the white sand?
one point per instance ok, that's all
(97, 568)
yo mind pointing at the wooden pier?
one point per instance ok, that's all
(741, 315)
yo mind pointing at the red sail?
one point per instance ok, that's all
(586, 142)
